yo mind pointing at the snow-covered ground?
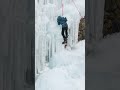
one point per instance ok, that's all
(66, 70)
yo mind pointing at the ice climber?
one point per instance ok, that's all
(63, 21)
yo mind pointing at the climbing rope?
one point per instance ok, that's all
(62, 6)
(77, 8)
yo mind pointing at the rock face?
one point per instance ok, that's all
(111, 17)
(81, 33)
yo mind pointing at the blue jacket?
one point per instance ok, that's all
(62, 21)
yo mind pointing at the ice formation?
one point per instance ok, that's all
(48, 37)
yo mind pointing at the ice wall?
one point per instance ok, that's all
(48, 37)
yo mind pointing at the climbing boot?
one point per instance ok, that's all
(63, 42)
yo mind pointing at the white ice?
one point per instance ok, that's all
(66, 71)
(55, 67)
(48, 36)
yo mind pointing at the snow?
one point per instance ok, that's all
(66, 71)
(55, 67)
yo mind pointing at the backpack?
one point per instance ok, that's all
(61, 20)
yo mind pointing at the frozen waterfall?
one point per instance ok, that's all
(48, 37)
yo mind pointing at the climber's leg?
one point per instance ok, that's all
(63, 35)
(66, 32)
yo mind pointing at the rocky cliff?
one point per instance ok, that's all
(81, 33)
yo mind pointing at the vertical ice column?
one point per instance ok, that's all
(51, 1)
(45, 2)
(38, 55)
(37, 62)
(73, 34)
(76, 30)
(40, 41)
(69, 35)
(49, 48)
(55, 39)
(57, 42)
(74, 23)
(54, 43)
(41, 53)
(70, 38)
(50, 11)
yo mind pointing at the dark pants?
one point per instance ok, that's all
(64, 33)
